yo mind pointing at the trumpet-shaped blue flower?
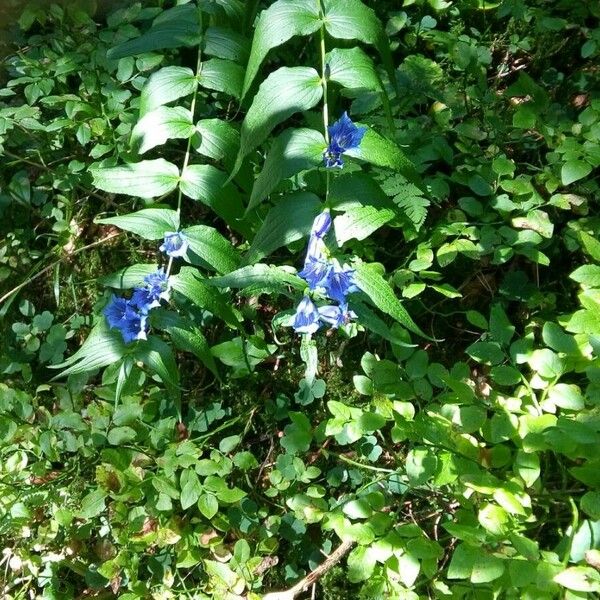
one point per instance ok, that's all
(125, 316)
(315, 272)
(336, 316)
(175, 244)
(321, 225)
(306, 319)
(339, 282)
(343, 136)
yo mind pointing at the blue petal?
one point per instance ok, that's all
(306, 319)
(123, 315)
(175, 244)
(339, 283)
(321, 225)
(115, 310)
(315, 273)
(343, 135)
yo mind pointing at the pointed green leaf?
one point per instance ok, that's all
(574, 170)
(208, 505)
(280, 95)
(352, 68)
(370, 281)
(102, 347)
(283, 20)
(207, 184)
(360, 222)
(158, 357)
(293, 151)
(149, 223)
(191, 488)
(173, 28)
(289, 220)
(377, 150)
(217, 139)
(129, 277)
(166, 85)
(268, 278)
(146, 179)
(92, 504)
(189, 338)
(212, 248)
(222, 76)
(162, 124)
(202, 293)
(225, 43)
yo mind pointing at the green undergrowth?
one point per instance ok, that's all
(445, 437)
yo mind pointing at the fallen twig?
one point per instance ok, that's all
(313, 576)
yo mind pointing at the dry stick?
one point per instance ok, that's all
(56, 262)
(313, 576)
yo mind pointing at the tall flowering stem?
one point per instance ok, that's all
(324, 77)
(186, 158)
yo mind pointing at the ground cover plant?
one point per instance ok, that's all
(300, 299)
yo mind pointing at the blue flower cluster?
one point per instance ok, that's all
(326, 276)
(130, 316)
(343, 135)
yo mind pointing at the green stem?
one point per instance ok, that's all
(574, 525)
(361, 465)
(186, 158)
(324, 76)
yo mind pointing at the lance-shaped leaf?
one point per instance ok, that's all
(371, 282)
(208, 185)
(283, 20)
(353, 20)
(352, 190)
(216, 139)
(102, 347)
(280, 95)
(372, 322)
(352, 69)
(173, 28)
(293, 151)
(187, 337)
(166, 85)
(158, 357)
(212, 248)
(377, 150)
(129, 277)
(260, 279)
(289, 220)
(149, 223)
(222, 76)
(162, 124)
(225, 43)
(360, 222)
(146, 179)
(203, 294)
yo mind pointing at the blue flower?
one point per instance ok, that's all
(306, 319)
(336, 316)
(149, 296)
(175, 244)
(123, 315)
(343, 135)
(321, 225)
(155, 290)
(315, 272)
(115, 310)
(339, 282)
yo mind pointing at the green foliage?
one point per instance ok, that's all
(444, 438)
